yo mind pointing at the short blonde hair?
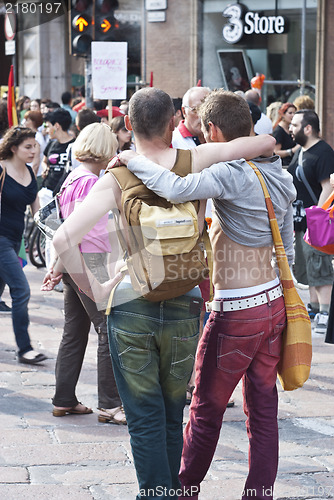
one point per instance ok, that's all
(304, 102)
(96, 142)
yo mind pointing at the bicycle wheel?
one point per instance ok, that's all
(41, 238)
(35, 256)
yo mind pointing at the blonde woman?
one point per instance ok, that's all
(94, 147)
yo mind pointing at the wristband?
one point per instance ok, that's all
(290, 152)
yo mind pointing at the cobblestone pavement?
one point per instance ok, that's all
(75, 457)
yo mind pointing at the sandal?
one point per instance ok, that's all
(61, 412)
(112, 416)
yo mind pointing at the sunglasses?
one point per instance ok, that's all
(20, 129)
(192, 109)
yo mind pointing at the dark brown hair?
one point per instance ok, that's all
(116, 125)
(14, 137)
(150, 110)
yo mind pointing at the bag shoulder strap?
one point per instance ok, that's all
(329, 201)
(300, 174)
(281, 257)
(68, 167)
(2, 177)
(183, 162)
(63, 187)
(125, 179)
(131, 186)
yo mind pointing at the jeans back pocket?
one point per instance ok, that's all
(234, 354)
(183, 356)
(133, 349)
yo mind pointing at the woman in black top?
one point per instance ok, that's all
(285, 145)
(19, 190)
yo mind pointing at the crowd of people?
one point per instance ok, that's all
(232, 322)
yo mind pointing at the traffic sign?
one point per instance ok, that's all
(81, 23)
(10, 25)
(10, 47)
(105, 25)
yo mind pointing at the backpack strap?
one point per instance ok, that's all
(132, 187)
(183, 163)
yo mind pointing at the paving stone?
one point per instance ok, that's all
(75, 457)
(13, 475)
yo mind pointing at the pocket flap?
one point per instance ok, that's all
(164, 228)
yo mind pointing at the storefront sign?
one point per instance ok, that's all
(156, 4)
(241, 23)
(156, 16)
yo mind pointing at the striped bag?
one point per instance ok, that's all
(296, 355)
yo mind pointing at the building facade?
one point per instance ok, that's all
(177, 43)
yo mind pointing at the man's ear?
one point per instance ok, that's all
(183, 112)
(308, 130)
(171, 124)
(127, 122)
(215, 134)
(212, 132)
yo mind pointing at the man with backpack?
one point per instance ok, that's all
(153, 324)
(243, 336)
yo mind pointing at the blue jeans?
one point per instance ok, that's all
(12, 274)
(153, 347)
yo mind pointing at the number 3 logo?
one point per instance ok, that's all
(233, 31)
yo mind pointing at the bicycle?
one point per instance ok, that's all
(34, 242)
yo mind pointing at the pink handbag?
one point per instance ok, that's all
(320, 226)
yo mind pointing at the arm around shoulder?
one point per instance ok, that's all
(243, 147)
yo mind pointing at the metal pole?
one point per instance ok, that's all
(88, 68)
(143, 39)
(303, 50)
(88, 82)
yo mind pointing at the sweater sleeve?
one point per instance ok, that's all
(174, 188)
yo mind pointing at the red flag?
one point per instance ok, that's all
(151, 79)
(11, 107)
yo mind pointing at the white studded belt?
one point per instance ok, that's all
(225, 305)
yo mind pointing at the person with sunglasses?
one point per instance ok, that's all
(188, 133)
(19, 189)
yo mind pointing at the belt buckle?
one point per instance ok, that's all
(208, 307)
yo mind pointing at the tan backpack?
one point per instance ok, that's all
(163, 250)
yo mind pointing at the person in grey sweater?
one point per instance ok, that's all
(242, 338)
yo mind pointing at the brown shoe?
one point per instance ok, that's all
(79, 409)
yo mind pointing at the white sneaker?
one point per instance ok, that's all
(320, 322)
